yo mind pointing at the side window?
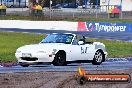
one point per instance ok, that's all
(82, 38)
(75, 42)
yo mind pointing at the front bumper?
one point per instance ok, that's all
(35, 58)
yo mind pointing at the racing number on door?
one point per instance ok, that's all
(84, 50)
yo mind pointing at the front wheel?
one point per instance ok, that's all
(98, 58)
(60, 59)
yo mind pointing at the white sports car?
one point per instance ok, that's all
(59, 49)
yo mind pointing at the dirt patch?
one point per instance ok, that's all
(55, 80)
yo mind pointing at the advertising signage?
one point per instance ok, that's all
(104, 27)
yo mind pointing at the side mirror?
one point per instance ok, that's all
(80, 42)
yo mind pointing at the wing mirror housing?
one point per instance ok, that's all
(80, 42)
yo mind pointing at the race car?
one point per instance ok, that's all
(61, 48)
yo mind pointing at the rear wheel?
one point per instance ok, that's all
(98, 58)
(60, 59)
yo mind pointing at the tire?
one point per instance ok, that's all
(81, 80)
(25, 65)
(98, 58)
(60, 59)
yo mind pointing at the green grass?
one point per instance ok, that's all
(42, 18)
(117, 48)
(9, 42)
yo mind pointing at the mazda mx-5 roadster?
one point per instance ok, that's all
(60, 49)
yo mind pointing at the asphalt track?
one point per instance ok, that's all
(111, 64)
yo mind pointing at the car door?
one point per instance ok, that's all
(87, 51)
(76, 52)
(75, 49)
(81, 52)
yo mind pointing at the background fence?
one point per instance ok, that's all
(92, 12)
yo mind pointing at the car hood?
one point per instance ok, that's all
(40, 47)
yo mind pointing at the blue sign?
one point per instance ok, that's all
(105, 27)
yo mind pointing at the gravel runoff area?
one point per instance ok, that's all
(56, 80)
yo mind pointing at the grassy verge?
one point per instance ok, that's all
(9, 42)
(117, 48)
(42, 18)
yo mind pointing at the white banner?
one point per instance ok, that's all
(44, 25)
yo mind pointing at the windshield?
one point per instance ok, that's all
(58, 38)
